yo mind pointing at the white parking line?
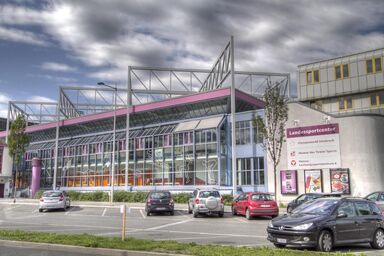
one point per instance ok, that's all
(168, 225)
(105, 210)
(142, 214)
(35, 211)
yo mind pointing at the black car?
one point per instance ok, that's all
(308, 197)
(159, 201)
(327, 222)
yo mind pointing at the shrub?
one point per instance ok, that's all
(181, 198)
(228, 199)
(38, 194)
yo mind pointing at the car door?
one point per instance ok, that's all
(240, 204)
(367, 221)
(236, 204)
(346, 227)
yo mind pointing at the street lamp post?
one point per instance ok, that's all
(114, 139)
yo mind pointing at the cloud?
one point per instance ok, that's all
(21, 36)
(41, 99)
(269, 35)
(53, 66)
(59, 79)
(4, 99)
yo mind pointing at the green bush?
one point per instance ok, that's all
(181, 198)
(228, 199)
(38, 194)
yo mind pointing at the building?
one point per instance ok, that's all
(335, 136)
(180, 133)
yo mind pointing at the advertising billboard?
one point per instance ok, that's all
(340, 181)
(313, 147)
(313, 181)
(288, 182)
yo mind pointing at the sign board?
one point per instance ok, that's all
(340, 181)
(313, 181)
(313, 147)
(288, 182)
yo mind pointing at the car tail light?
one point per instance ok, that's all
(222, 200)
(61, 198)
(171, 202)
(41, 199)
(197, 201)
(149, 201)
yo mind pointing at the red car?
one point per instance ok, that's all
(255, 204)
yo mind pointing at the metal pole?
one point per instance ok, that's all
(114, 145)
(127, 129)
(57, 141)
(233, 124)
(8, 121)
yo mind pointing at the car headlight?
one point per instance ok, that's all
(303, 226)
(270, 225)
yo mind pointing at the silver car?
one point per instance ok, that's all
(378, 198)
(206, 202)
(54, 199)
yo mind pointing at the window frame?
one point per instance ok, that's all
(345, 103)
(312, 75)
(373, 61)
(342, 75)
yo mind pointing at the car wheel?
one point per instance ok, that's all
(40, 210)
(325, 242)
(378, 240)
(189, 209)
(289, 209)
(195, 214)
(279, 245)
(172, 213)
(247, 214)
(234, 211)
(221, 214)
(148, 213)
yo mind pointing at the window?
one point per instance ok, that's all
(377, 99)
(341, 71)
(373, 196)
(363, 209)
(313, 76)
(243, 167)
(345, 103)
(347, 208)
(243, 133)
(373, 65)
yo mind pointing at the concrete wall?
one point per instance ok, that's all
(361, 148)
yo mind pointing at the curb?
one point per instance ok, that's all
(81, 249)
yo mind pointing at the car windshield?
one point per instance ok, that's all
(317, 207)
(52, 194)
(160, 195)
(261, 197)
(206, 194)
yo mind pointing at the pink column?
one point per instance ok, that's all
(36, 170)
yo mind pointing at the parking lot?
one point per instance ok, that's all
(106, 220)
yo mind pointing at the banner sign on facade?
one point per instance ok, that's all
(313, 181)
(313, 147)
(288, 182)
(340, 181)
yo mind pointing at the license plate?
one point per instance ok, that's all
(160, 208)
(265, 205)
(280, 240)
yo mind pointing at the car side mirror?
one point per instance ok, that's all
(341, 214)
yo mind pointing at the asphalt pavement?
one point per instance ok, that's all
(104, 219)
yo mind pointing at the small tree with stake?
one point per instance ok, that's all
(272, 127)
(17, 142)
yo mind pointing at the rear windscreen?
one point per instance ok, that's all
(160, 195)
(52, 194)
(261, 197)
(206, 194)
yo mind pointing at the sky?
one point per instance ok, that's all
(45, 44)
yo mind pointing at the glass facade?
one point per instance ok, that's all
(158, 156)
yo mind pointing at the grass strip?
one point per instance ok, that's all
(87, 240)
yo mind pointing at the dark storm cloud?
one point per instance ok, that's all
(269, 35)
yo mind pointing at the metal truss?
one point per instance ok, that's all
(220, 71)
(78, 101)
(34, 112)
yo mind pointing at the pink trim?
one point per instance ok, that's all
(197, 97)
(250, 99)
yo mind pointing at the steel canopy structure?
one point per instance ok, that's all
(84, 114)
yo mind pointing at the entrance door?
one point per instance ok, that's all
(1, 190)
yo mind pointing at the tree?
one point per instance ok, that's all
(272, 127)
(17, 142)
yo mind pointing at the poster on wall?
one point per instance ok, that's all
(340, 181)
(288, 182)
(313, 147)
(313, 181)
